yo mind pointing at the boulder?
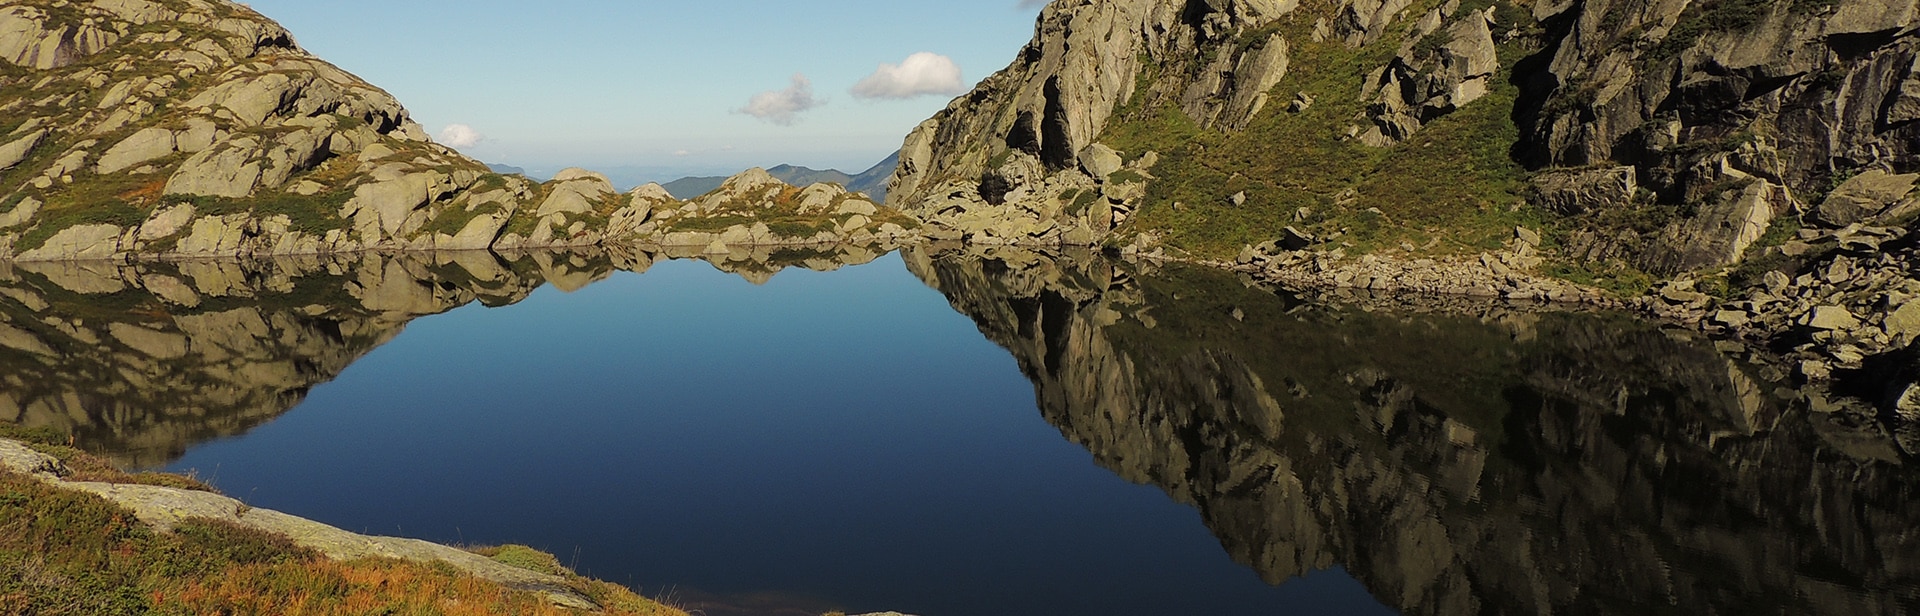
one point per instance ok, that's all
(1100, 161)
(1295, 239)
(578, 194)
(652, 192)
(575, 173)
(1720, 233)
(16, 151)
(1907, 404)
(479, 233)
(216, 235)
(145, 145)
(1470, 51)
(21, 214)
(166, 222)
(752, 186)
(858, 206)
(1864, 196)
(253, 100)
(1904, 323)
(293, 153)
(1870, 16)
(1526, 236)
(199, 135)
(819, 198)
(1831, 318)
(1576, 192)
(223, 172)
(388, 204)
(80, 242)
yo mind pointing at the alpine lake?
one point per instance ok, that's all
(951, 431)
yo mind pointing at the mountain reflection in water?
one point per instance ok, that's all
(1502, 463)
(140, 362)
(1478, 460)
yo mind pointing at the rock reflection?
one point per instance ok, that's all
(141, 361)
(1505, 462)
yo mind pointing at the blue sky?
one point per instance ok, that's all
(657, 87)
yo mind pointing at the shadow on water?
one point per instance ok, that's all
(1496, 462)
(1473, 460)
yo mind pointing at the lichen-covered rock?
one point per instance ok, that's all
(1575, 192)
(142, 146)
(1720, 233)
(29, 38)
(17, 150)
(1664, 86)
(1864, 196)
(229, 171)
(80, 242)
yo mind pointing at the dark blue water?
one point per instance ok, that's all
(839, 440)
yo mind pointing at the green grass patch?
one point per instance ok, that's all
(1619, 278)
(311, 214)
(523, 557)
(51, 221)
(710, 224)
(454, 220)
(1454, 181)
(1712, 16)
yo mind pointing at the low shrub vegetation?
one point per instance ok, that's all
(69, 553)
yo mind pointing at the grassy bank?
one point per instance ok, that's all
(1452, 188)
(71, 553)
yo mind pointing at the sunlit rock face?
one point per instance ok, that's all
(140, 362)
(1501, 462)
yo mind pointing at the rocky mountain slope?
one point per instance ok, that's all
(1745, 165)
(1507, 462)
(1663, 137)
(199, 128)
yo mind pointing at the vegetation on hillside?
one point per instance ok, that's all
(1453, 187)
(64, 553)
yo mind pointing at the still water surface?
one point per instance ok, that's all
(979, 433)
(826, 440)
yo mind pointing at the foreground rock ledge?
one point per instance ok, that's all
(164, 508)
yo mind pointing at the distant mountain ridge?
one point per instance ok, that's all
(873, 181)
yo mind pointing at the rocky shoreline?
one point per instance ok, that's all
(1844, 330)
(166, 507)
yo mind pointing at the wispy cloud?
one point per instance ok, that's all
(460, 136)
(921, 74)
(783, 107)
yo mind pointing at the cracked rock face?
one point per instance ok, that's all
(1697, 101)
(1029, 125)
(1463, 460)
(1005, 164)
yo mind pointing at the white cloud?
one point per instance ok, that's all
(783, 107)
(922, 74)
(460, 136)
(683, 153)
